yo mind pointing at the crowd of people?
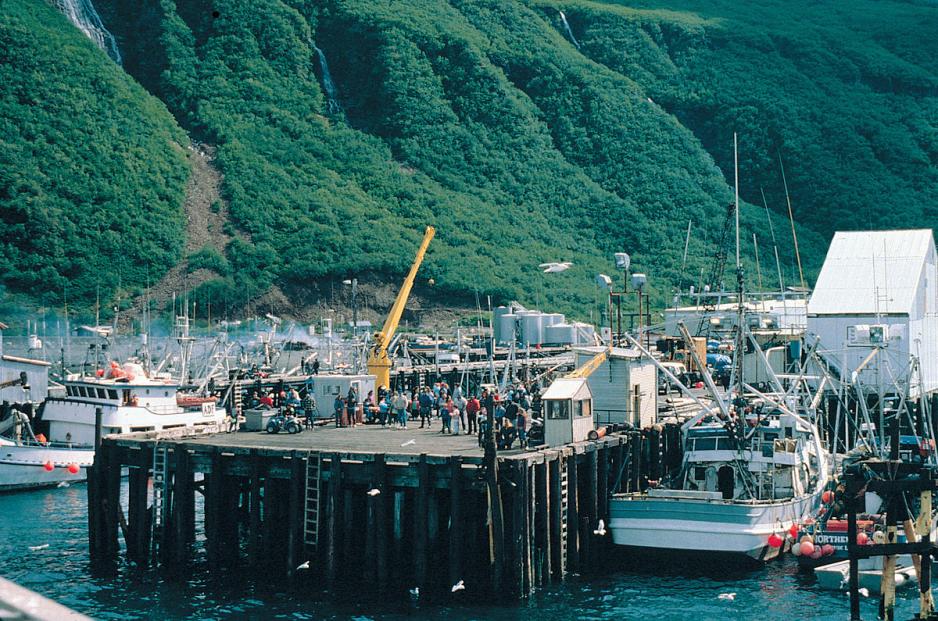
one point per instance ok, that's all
(449, 409)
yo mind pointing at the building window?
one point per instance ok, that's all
(558, 409)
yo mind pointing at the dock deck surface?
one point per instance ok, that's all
(360, 439)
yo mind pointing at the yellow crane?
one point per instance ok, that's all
(379, 364)
(587, 368)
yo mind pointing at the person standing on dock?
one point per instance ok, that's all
(339, 406)
(472, 412)
(426, 407)
(446, 412)
(488, 401)
(499, 414)
(399, 404)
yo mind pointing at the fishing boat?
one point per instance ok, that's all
(735, 493)
(59, 446)
(754, 463)
(835, 576)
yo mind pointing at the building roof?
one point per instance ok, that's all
(567, 388)
(614, 352)
(872, 272)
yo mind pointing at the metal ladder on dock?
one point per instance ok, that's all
(237, 399)
(564, 508)
(157, 495)
(312, 504)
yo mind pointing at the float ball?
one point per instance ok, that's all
(807, 548)
(49, 466)
(796, 549)
(776, 540)
(827, 497)
(73, 468)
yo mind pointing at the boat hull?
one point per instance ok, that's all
(24, 467)
(694, 525)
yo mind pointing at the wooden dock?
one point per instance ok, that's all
(371, 508)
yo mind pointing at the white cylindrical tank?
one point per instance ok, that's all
(584, 333)
(559, 334)
(553, 319)
(532, 329)
(506, 328)
(497, 314)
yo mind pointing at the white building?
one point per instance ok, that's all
(877, 290)
(624, 387)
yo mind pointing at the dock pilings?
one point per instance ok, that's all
(365, 521)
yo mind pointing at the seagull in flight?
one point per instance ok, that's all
(553, 268)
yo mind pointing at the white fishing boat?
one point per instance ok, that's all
(733, 491)
(129, 401)
(754, 464)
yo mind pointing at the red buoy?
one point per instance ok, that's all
(793, 531)
(73, 468)
(807, 548)
(827, 497)
(776, 540)
(862, 539)
(49, 466)
(827, 549)
(817, 553)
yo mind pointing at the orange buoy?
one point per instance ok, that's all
(827, 497)
(807, 548)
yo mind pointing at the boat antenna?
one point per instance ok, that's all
(755, 243)
(680, 282)
(791, 218)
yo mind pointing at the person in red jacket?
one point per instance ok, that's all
(472, 412)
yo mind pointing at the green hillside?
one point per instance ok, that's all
(486, 120)
(92, 168)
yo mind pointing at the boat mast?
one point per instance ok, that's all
(739, 284)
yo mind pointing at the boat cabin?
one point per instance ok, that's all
(568, 411)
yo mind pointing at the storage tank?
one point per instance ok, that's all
(532, 329)
(553, 319)
(497, 314)
(559, 334)
(506, 328)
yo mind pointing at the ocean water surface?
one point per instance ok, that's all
(633, 590)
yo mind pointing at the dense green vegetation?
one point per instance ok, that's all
(483, 118)
(92, 168)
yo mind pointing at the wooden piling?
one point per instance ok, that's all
(254, 511)
(335, 488)
(112, 487)
(182, 491)
(542, 526)
(139, 548)
(297, 511)
(456, 525)
(516, 548)
(573, 515)
(420, 522)
(379, 504)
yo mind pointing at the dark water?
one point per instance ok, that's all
(62, 572)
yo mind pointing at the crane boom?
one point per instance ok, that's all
(379, 364)
(587, 368)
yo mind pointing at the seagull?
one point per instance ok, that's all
(459, 586)
(409, 442)
(864, 592)
(37, 548)
(415, 592)
(63, 484)
(553, 268)
(727, 596)
(600, 529)
(374, 491)
(303, 566)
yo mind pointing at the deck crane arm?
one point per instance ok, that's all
(588, 367)
(379, 364)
